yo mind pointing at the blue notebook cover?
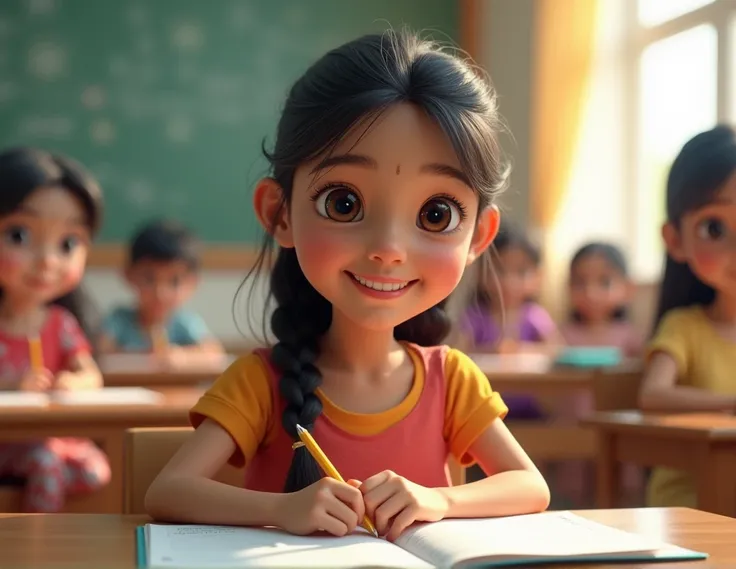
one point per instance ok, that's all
(674, 554)
(590, 357)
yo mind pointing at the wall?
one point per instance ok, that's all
(506, 52)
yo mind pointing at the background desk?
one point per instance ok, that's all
(702, 444)
(106, 425)
(89, 541)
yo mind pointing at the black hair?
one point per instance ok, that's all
(614, 257)
(165, 241)
(349, 88)
(24, 170)
(698, 173)
(509, 236)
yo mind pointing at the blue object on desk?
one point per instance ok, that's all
(593, 356)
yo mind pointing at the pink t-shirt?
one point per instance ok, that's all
(622, 335)
(61, 339)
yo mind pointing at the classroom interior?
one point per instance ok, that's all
(167, 104)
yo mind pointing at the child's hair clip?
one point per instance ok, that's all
(297, 445)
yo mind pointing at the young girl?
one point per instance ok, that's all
(506, 317)
(600, 291)
(692, 356)
(385, 168)
(49, 210)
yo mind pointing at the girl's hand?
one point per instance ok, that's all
(34, 380)
(394, 503)
(67, 381)
(327, 505)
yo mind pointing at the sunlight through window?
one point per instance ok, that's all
(655, 12)
(678, 79)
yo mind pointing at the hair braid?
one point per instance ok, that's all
(301, 319)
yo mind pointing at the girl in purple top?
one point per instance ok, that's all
(504, 315)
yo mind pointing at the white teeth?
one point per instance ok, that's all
(389, 287)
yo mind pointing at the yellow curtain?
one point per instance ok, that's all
(564, 49)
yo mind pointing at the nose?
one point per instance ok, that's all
(47, 257)
(387, 244)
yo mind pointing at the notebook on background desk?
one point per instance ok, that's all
(102, 396)
(536, 539)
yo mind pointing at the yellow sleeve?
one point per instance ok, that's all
(471, 404)
(673, 337)
(241, 402)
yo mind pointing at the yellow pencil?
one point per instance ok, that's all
(159, 339)
(327, 467)
(35, 353)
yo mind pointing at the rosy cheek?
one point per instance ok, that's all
(73, 276)
(319, 251)
(707, 262)
(10, 263)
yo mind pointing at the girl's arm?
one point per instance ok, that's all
(185, 492)
(659, 391)
(83, 373)
(514, 485)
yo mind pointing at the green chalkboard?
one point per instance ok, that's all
(168, 101)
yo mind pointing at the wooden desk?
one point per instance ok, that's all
(142, 370)
(92, 541)
(562, 438)
(702, 444)
(106, 424)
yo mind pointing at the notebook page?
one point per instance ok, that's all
(23, 399)
(220, 547)
(108, 396)
(546, 535)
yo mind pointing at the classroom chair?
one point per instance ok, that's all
(148, 449)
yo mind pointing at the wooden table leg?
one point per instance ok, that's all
(716, 481)
(109, 499)
(608, 471)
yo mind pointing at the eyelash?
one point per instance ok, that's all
(326, 188)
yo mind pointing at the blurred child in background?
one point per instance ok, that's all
(504, 315)
(162, 270)
(50, 208)
(691, 359)
(600, 292)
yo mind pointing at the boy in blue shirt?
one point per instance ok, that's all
(162, 269)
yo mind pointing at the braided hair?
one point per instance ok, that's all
(349, 86)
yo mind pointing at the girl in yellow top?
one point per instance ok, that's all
(385, 168)
(692, 357)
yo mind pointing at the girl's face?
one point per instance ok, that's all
(43, 246)
(706, 240)
(385, 226)
(518, 276)
(597, 288)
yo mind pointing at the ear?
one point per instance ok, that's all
(673, 242)
(486, 229)
(269, 203)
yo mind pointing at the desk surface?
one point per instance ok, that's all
(175, 405)
(93, 541)
(711, 426)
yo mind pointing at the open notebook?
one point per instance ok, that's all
(103, 396)
(549, 537)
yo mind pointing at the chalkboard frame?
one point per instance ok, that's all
(235, 257)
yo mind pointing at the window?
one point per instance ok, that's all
(677, 93)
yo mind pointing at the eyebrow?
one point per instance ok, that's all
(33, 213)
(368, 162)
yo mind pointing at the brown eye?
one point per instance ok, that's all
(341, 204)
(439, 216)
(712, 229)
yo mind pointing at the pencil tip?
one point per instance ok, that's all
(300, 429)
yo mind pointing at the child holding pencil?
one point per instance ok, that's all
(162, 270)
(50, 209)
(385, 169)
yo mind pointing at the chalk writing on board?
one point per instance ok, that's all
(47, 60)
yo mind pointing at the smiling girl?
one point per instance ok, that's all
(384, 172)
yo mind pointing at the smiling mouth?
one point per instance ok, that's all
(381, 286)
